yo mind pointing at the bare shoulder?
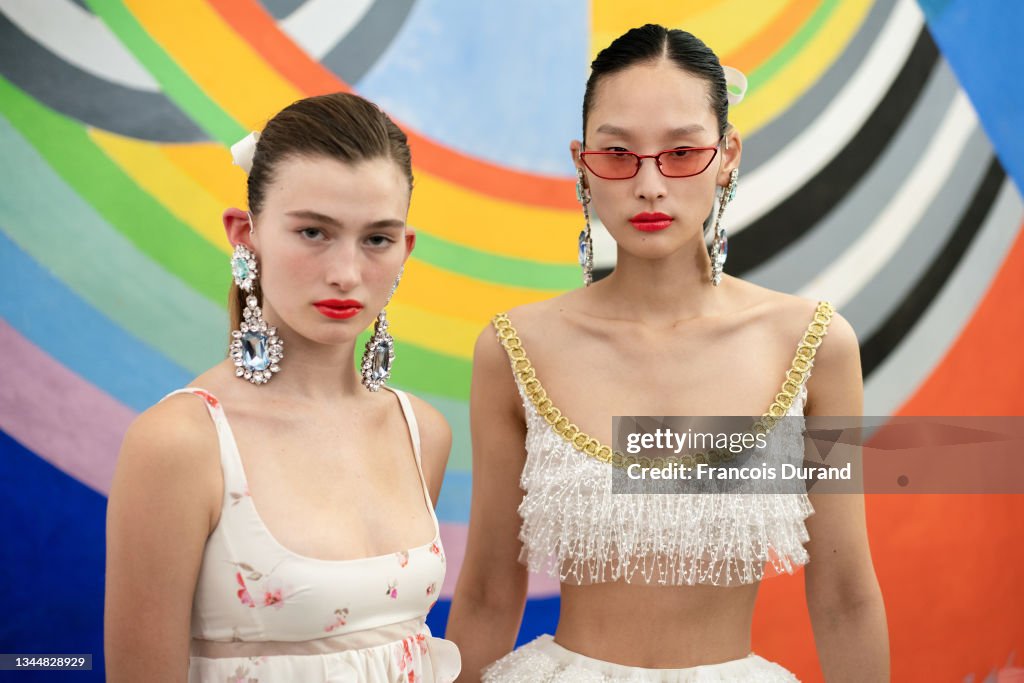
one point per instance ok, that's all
(175, 433)
(835, 386)
(172, 446)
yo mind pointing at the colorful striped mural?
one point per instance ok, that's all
(882, 170)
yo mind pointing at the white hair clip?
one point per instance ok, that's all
(735, 85)
(243, 151)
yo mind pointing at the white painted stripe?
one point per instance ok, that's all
(318, 25)
(807, 154)
(880, 242)
(79, 38)
(924, 347)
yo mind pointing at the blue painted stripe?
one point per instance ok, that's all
(539, 617)
(58, 321)
(53, 567)
(498, 81)
(453, 507)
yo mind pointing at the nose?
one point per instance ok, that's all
(649, 183)
(342, 268)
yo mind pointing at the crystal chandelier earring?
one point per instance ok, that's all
(586, 245)
(380, 349)
(720, 242)
(255, 349)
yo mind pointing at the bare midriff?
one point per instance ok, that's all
(657, 627)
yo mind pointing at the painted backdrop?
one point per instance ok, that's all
(882, 170)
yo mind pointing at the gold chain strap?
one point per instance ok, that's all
(803, 361)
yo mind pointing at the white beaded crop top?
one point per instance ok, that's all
(577, 530)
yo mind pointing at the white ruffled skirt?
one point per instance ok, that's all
(545, 661)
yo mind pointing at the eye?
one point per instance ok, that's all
(625, 151)
(315, 234)
(379, 240)
(680, 152)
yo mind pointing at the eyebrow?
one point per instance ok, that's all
(675, 132)
(322, 218)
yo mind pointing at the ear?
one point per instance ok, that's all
(238, 228)
(575, 147)
(731, 151)
(410, 242)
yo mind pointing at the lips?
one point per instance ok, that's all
(338, 309)
(651, 222)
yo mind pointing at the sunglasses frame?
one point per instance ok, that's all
(657, 159)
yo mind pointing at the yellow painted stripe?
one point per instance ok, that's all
(474, 220)
(714, 23)
(793, 80)
(431, 331)
(153, 171)
(456, 296)
(209, 164)
(216, 58)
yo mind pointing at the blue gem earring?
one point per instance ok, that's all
(380, 349)
(255, 348)
(720, 242)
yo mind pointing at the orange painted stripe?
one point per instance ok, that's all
(772, 37)
(258, 28)
(960, 384)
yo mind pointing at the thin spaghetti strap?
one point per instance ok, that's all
(414, 434)
(410, 420)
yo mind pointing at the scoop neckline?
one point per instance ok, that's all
(270, 535)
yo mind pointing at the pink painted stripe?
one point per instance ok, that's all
(59, 416)
(453, 536)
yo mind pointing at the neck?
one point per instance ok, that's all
(664, 291)
(313, 371)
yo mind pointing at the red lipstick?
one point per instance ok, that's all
(338, 309)
(650, 222)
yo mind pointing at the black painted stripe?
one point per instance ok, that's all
(801, 211)
(875, 349)
(87, 98)
(358, 51)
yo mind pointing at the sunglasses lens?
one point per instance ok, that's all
(685, 162)
(612, 165)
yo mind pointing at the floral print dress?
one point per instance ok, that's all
(263, 613)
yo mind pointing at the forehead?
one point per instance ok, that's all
(336, 188)
(647, 98)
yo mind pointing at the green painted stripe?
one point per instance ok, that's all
(123, 204)
(503, 270)
(764, 73)
(174, 81)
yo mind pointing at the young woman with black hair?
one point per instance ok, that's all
(656, 587)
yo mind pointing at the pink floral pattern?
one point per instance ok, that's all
(273, 592)
(403, 557)
(339, 620)
(243, 592)
(436, 549)
(392, 591)
(208, 397)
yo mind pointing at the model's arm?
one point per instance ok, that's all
(161, 509)
(491, 589)
(843, 596)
